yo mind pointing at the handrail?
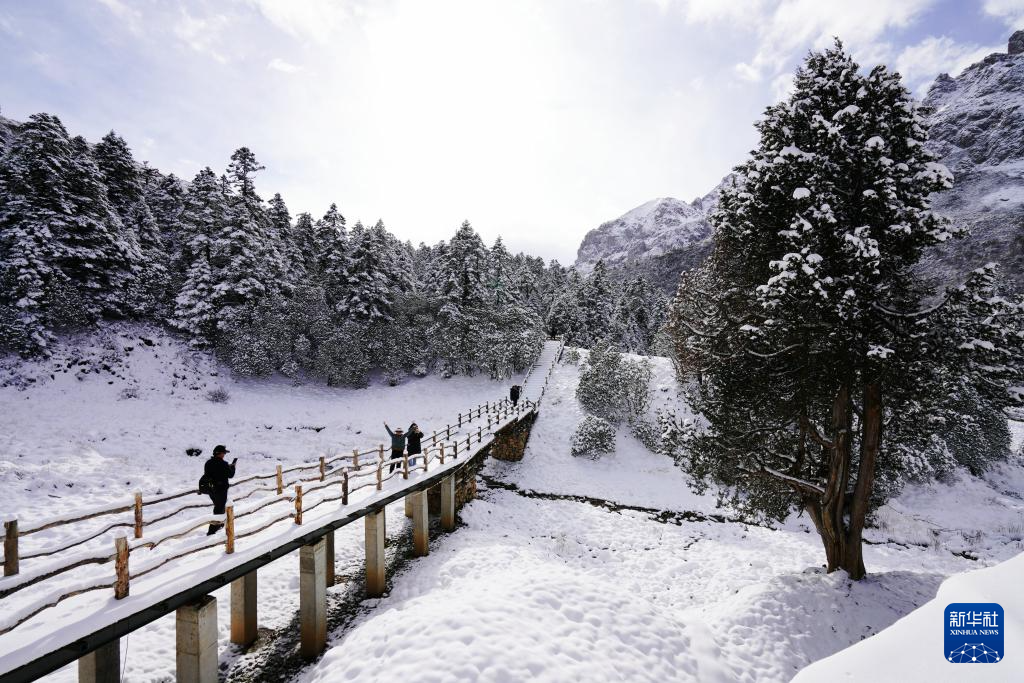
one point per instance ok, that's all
(498, 414)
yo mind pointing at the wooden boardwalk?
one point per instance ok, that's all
(176, 567)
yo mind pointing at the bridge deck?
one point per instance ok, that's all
(49, 641)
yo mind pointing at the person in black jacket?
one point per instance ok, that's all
(397, 445)
(513, 393)
(218, 473)
(412, 440)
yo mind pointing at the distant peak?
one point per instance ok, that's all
(1016, 44)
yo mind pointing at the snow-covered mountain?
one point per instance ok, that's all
(977, 129)
(659, 227)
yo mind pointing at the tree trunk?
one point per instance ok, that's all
(830, 524)
(871, 439)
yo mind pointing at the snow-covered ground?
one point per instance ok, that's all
(554, 587)
(562, 569)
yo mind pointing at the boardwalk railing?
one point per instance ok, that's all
(260, 502)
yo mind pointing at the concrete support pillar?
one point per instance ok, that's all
(329, 557)
(448, 503)
(408, 505)
(312, 598)
(375, 582)
(420, 524)
(102, 665)
(243, 610)
(197, 641)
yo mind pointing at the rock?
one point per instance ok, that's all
(1016, 45)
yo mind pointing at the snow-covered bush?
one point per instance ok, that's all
(648, 433)
(593, 437)
(571, 355)
(614, 387)
(218, 395)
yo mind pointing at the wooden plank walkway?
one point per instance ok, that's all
(165, 584)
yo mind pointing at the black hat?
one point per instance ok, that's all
(220, 449)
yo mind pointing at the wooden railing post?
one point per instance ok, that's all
(298, 503)
(280, 480)
(455, 450)
(480, 435)
(344, 487)
(380, 475)
(10, 547)
(355, 459)
(426, 457)
(405, 466)
(121, 567)
(138, 515)
(460, 419)
(442, 453)
(323, 468)
(229, 529)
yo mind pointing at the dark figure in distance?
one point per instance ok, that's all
(397, 445)
(513, 394)
(219, 472)
(413, 439)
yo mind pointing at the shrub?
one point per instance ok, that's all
(613, 387)
(648, 434)
(218, 395)
(571, 355)
(594, 436)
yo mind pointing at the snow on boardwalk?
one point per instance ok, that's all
(533, 383)
(156, 579)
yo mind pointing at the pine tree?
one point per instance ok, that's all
(33, 206)
(197, 305)
(567, 317)
(370, 276)
(331, 247)
(119, 172)
(244, 258)
(304, 247)
(810, 305)
(461, 329)
(597, 302)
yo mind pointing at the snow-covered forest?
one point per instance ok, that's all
(88, 234)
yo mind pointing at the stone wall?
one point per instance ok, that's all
(510, 442)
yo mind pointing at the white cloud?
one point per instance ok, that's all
(278, 64)
(1010, 11)
(919, 64)
(784, 29)
(318, 20)
(130, 16)
(203, 34)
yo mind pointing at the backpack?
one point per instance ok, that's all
(205, 485)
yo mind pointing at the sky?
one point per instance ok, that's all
(536, 120)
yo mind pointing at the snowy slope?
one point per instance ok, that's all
(562, 568)
(637, 581)
(912, 648)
